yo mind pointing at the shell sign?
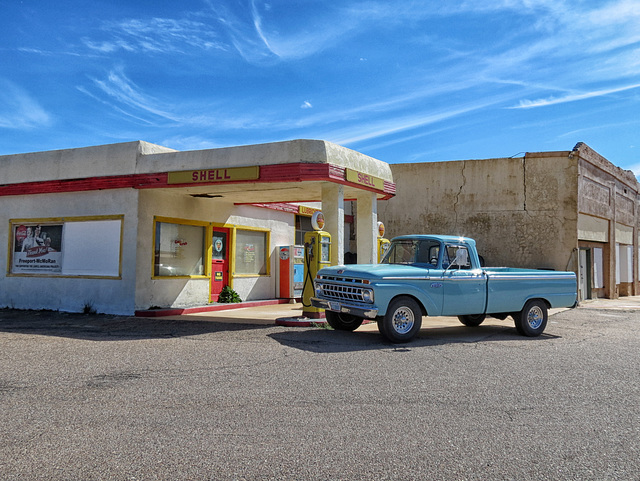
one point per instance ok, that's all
(317, 220)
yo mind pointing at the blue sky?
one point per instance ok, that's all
(407, 81)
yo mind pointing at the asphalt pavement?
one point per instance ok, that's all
(230, 395)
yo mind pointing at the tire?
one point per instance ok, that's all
(532, 319)
(402, 321)
(380, 322)
(343, 322)
(472, 320)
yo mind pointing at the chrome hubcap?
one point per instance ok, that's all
(403, 320)
(535, 317)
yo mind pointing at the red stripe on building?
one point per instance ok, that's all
(300, 172)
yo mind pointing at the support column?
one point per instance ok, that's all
(367, 228)
(611, 278)
(333, 210)
(636, 250)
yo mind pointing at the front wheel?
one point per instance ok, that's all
(343, 322)
(402, 320)
(472, 320)
(532, 319)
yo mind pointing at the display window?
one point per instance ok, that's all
(180, 248)
(185, 248)
(251, 252)
(77, 246)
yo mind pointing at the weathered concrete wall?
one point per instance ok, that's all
(608, 206)
(518, 209)
(605, 190)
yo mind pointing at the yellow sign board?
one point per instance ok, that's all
(364, 179)
(304, 210)
(214, 175)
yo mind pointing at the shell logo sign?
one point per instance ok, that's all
(363, 179)
(214, 175)
(317, 220)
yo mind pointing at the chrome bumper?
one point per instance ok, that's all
(337, 306)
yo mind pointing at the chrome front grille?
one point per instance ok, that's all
(342, 293)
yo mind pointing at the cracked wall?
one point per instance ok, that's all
(522, 211)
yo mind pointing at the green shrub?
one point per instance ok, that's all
(228, 295)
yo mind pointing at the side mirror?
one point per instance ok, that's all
(460, 260)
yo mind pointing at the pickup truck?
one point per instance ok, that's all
(435, 275)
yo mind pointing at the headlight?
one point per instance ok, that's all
(367, 295)
(319, 290)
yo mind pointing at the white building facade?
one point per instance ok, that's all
(135, 226)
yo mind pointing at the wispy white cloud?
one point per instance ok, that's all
(529, 104)
(19, 110)
(155, 35)
(120, 88)
(190, 143)
(599, 128)
(306, 105)
(398, 124)
(121, 94)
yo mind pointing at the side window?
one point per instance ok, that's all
(457, 257)
(428, 252)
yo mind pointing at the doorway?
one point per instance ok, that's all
(219, 262)
(584, 280)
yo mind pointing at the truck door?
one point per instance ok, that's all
(464, 285)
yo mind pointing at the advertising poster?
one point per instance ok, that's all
(37, 249)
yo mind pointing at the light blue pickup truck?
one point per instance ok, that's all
(434, 275)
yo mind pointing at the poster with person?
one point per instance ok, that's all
(37, 249)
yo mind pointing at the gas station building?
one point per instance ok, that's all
(135, 226)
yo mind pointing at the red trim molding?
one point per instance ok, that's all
(299, 172)
(135, 181)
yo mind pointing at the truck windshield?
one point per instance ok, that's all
(412, 251)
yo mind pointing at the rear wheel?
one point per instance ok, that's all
(472, 320)
(532, 319)
(343, 322)
(402, 320)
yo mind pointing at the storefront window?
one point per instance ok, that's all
(179, 250)
(251, 252)
(67, 247)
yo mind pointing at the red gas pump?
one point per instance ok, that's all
(290, 275)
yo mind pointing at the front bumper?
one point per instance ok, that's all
(337, 306)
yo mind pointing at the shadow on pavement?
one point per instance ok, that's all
(103, 327)
(328, 341)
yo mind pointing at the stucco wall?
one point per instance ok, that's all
(522, 211)
(115, 296)
(606, 191)
(195, 292)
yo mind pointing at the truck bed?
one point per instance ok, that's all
(508, 288)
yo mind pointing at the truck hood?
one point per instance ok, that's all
(374, 271)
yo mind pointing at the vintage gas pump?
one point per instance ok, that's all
(317, 254)
(290, 273)
(383, 244)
